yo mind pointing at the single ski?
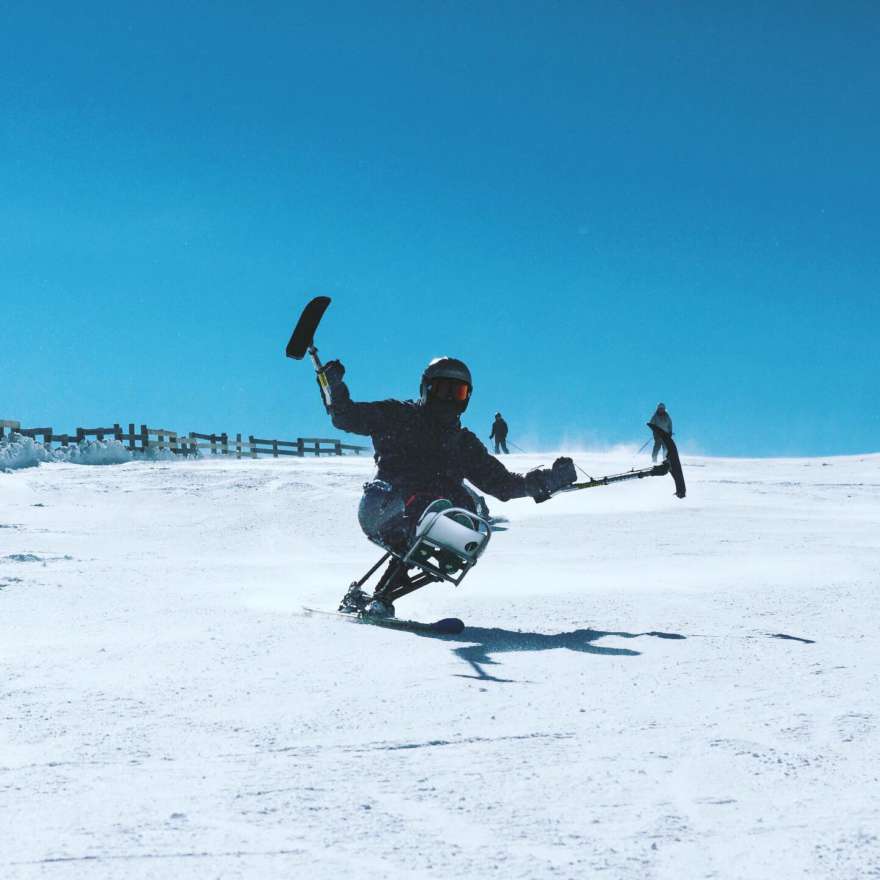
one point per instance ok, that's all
(449, 626)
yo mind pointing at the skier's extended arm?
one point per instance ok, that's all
(489, 475)
(358, 418)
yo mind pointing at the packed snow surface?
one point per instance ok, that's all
(646, 687)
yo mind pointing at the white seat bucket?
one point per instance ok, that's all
(445, 546)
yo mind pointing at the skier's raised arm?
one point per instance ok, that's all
(357, 418)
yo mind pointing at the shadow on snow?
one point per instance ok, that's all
(483, 643)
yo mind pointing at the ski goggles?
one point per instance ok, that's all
(449, 389)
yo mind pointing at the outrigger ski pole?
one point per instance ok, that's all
(658, 470)
(302, 342)
(672, 465)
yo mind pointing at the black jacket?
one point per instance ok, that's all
(499, 430)
(417, 452)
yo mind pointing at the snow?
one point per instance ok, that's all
(21, 452)
(646, 687)
(18, 452)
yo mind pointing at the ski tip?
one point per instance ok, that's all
(449, 626)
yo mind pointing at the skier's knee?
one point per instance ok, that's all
(382, 514)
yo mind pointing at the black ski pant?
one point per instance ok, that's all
(389, 514)
(501, 445)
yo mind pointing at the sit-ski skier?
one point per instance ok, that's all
(423, 454)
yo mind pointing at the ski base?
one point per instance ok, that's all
(449, 626)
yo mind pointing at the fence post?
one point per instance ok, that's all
(339, 447)
(300, 447)
(253, 446)
(224, 443)
(274, 449)
(238, 445)
(80, 435)
(145, 439)
(213, 443)
(131, 443)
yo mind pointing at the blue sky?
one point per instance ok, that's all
(597, 205)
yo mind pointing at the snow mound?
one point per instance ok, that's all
(93, 452)
(22, 452)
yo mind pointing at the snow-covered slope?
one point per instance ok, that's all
(635, 691)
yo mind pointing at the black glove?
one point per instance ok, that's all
(329, 379)
(334, 371)
(543, 482)
(564, 473)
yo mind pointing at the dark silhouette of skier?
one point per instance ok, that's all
(499, 433)
(662, 420)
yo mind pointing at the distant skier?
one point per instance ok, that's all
(499, 433)
(661, 420)
(423, 454)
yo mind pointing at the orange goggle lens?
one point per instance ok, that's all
(449, 389)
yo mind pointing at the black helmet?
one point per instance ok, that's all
(447, 368)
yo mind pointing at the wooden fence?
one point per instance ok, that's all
(187, 444)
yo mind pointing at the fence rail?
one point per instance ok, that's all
(187, 444)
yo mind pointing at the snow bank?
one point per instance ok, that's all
(22, 452)
(94, 452)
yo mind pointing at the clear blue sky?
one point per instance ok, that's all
(597, 205)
